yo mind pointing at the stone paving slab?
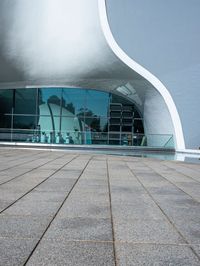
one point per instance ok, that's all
(161, 255)
(80, 228)
(86, 209)
(197, 249)
(146, 231)
(44, 196)
(60, 208)
(20, 226)
(15, 251)
(83, 253)
(30, 207)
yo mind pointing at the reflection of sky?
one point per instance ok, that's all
(96, 101)
(75, 96)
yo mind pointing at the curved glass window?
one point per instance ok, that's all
(69, 116)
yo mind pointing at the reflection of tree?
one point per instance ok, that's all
(95, 123)
(92, 120)
(70, 107)
(54, 99)
(40, 97)
(105, 128)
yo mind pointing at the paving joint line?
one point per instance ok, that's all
(9, 154)
(179, 172)
(174, 184)
(56, 213)
(189, 166)
(101, 241)
(167, 217)
(38, 184)
(20, 175)
(111, 214)
(31, 160)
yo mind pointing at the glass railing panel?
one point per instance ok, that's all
(160, 140)
(87, 138)
(5, 134)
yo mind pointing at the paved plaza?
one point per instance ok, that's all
(64, 208)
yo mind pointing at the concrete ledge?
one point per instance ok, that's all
(189, 151)
(87, 147)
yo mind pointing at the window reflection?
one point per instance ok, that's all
(25, 101)
(5, 121)
(6, 101)
(49, 95)
(68, 116)
(24, 122)
(97, 103)
(73, 100)
(96, 124)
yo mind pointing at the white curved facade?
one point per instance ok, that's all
(68, 43)
(166, 42)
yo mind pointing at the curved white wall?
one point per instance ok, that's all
(164, 37)
(168, 103)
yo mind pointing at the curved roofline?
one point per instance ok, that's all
(157, 84)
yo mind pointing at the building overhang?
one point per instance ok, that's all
(42, 46)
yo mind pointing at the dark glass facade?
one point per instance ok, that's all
(69, 116)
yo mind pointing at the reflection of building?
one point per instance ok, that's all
(65, 128)
(67, 81)
(55, 115)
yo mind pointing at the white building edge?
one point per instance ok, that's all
(71, 45)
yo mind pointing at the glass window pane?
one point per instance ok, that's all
(45, 123)
(96, 103)
(24, 122)
(95, 123)
(6, 101)
(50, 105)
(100, 138)
(50, 95)
(5, 134)
(49, 113)
(24, 135)
(5, 127)
(138, 126)
(25, 101)
(5, 121)
(136, 114)
(73, 101)
(71, 129)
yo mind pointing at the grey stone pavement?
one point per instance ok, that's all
(61, 208)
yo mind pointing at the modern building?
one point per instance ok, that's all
(65, 80)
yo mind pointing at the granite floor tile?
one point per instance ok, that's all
(54, 253)
(155, 255)
(14, 252)
(80, 228)
(22, 226)
(146, 231)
